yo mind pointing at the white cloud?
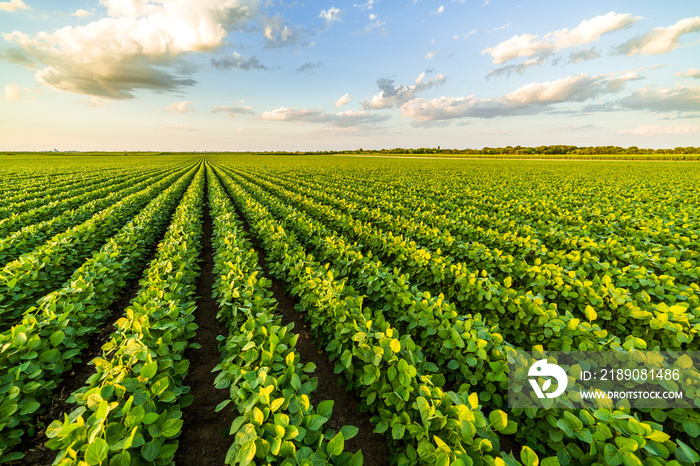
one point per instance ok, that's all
(391, 95)
(345, 99)
(12, 92)
(368, 5)
(660, 40)
(13, 5)
(332, 14)
(583, 54)
(114, 56)
(180, 107)
(529, 99)
(440, 10)
(530, 45)
(234, 112)
(677, 99)
(431, 54)
(345, 119)
(279, 34)
(375, 24)
(652, 130)
(500, 28)
(691, 73)
(81, 13)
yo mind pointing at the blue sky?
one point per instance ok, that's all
(271, 75)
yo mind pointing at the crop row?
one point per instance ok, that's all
(617, 310)
(38, 232)
(448, 337)
(31, 276)
(260, 367)
(129, 410)
(39, 349)
(386, 368)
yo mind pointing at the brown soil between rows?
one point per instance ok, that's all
(375, 450)
(204, 439)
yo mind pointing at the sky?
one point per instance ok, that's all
(247, 75)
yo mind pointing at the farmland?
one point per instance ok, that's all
(407, 282)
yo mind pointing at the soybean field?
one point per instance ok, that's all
(309, 310)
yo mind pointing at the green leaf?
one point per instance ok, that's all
(325, 408)
(246, 453)
(30, 407)
(54, 428)
(149, 370)
(529, 457)
(498, 419)
(686, 454)
(96, 452)
(613, 455)
(172, 427)
(57, 337)
(349, 432)
(398, 431)
(150, 450)
(160, 386)
(551, 461)
(336, 445)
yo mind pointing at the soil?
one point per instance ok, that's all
(374, 448)
(204, 439)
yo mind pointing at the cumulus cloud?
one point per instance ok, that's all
(677, 99)
(345, 99)
(391, 95)
(13, 5)
(114, 56)
(279, 33)
(440, 10)
(12, 92)
(533, 46)
(660, 40)
(180, 107)
(691, 73)
(235, 111)
(331, 15)
(81, 13)
(236, 61)
(529, 99)
(347, 119)
(652, 130)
